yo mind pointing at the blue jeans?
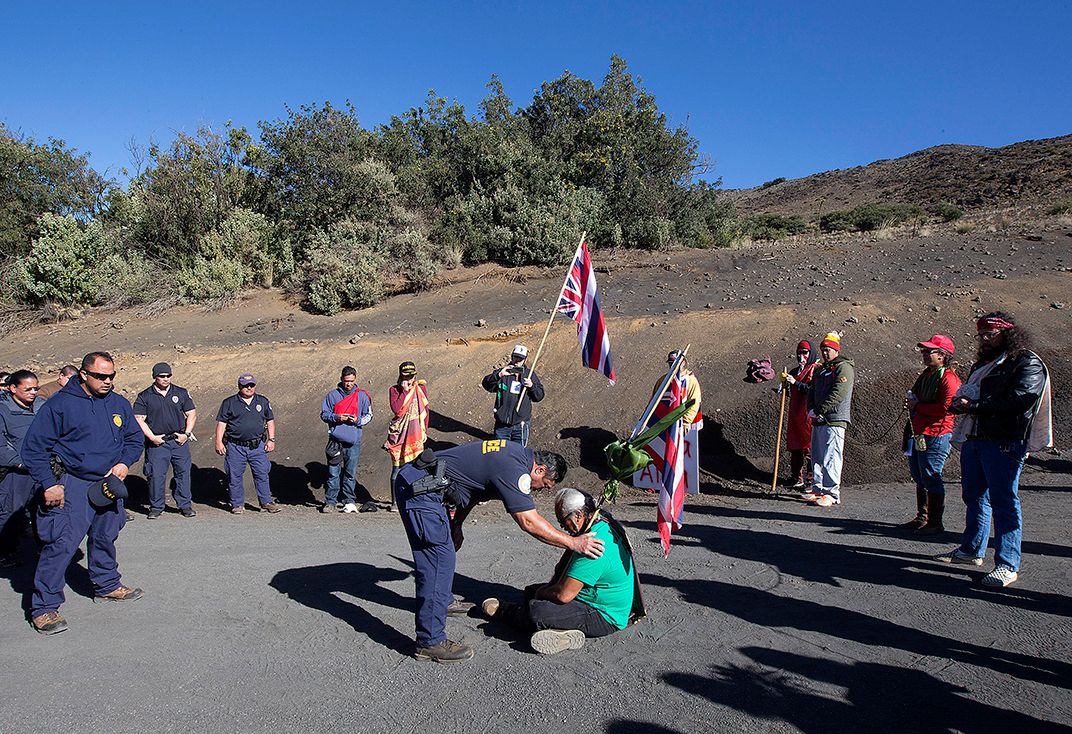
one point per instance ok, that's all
(926, 466)
(236, 460)
(990, 479)
(347, 470)
(157, 461)
(518, 433)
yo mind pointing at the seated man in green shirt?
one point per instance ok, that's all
(587, 597)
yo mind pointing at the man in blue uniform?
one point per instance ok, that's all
(17, 406)
(245, 435)
(89, 432)
(472, 473)
(344, 427)
(166, 415)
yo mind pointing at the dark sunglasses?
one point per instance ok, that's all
(164, 375)
(103, 377)
(248, 384)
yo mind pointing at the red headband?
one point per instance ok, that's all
(993, 322)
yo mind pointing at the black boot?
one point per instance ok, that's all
(935, 510)
(921, 511)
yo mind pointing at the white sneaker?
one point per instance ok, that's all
(1000, 577)
(552, 642)
(349, 507)
(958, 556)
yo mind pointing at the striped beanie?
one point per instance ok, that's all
(832, 340)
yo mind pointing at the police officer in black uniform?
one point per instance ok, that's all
(465, 476)
(245, 435)
(167, 416)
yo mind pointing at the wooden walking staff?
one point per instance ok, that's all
(778, 436)
(554, 310)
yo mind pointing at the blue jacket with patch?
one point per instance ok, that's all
(89, 435)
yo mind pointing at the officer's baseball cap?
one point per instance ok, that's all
(521, 350)
(247, 379)
(161, 368)
(107, 491)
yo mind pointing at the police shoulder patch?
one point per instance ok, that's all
(524, 483)
(117, 419)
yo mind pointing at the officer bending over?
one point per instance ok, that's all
(465, 476)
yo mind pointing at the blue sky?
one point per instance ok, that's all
(768, 88)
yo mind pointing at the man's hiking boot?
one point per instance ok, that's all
(49, 623)
(122, 593)
(271, 507)
(459, 608)
(551, 642)
(447, 651)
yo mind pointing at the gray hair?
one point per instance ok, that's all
(569, 501)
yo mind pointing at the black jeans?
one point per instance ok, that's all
(539, 614)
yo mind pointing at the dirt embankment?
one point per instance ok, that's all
(1032, 174)
(731, 305)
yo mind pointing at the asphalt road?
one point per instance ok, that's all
(769, 615)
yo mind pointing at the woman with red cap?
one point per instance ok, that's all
(930, 430)
(798, 437)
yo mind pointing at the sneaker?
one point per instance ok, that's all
(958, 556)
(825, 500)
(349, 507)
(446, 651)
(129, 515)
(238, 510)
(490, 607)
(188, 512)
(392, 508)
(122, 593)
(327, 507)
(153, 514)
(271, 507)
(1000, 577)
(49, 623)
(550, 642)
(459, 608)
(798, 485)
(810, 495)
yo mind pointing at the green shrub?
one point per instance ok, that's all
(411, 258)
(774, 226)
(343, 268)
(1062, 207)
(128, 279)
(772, 182)
(61, 265)
(868, 217)
(205, 280)
(948, 212)
(249, 238)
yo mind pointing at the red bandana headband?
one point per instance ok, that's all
(993, 322)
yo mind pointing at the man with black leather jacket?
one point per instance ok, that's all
(999, 401)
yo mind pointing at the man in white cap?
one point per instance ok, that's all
(512, 422)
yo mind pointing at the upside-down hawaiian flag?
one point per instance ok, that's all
(668, 456)
(580, 301)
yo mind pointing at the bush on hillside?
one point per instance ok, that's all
(343, 268)
(947, 212)
(61, 265)
(1061, 207)
(774, 227)
(869, 217)
(772, 182)
(206, 280)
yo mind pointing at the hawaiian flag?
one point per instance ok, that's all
(580, 301)
(668, 456)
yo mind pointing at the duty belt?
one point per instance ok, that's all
(246, 444)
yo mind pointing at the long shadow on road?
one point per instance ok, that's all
(877, 696)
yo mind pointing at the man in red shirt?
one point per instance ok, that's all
(930, 432)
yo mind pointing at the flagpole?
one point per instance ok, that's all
(778, 437)
(547, 330)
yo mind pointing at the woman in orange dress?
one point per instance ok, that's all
(409, 427)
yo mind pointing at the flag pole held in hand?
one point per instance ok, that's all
(778, 435)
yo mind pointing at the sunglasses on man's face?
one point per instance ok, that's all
(167, 376)
(102, 376)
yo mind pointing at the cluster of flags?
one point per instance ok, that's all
(579, 300)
